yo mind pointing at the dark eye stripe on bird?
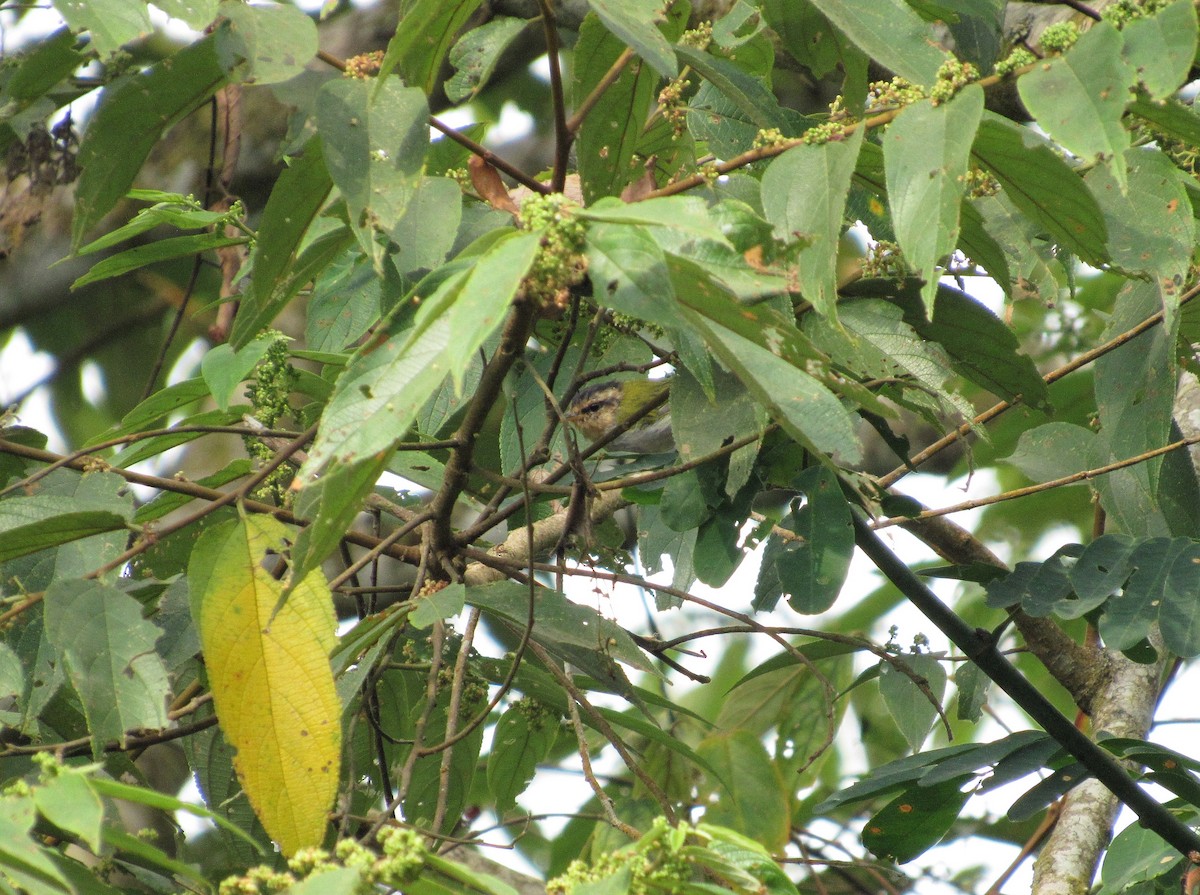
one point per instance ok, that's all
(597, 409)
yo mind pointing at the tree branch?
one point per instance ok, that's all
(979, 646)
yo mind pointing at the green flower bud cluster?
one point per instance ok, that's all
(673, 107)
(1018, 58)
(560, 263)
(269, 392)
(980, 183)
(655, 863)
(1059, 37)
(952, 76)
(769, 137)
(698, 38)
(403, 856)
(1122, 12)
(364, 65)
(884, 259)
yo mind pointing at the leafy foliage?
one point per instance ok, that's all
(380, 633)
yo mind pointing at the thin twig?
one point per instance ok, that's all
(458, 682)
(1072, 479)
(1053, 376)
(562, 135)
(589, 101)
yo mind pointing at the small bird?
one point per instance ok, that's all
(598, 409)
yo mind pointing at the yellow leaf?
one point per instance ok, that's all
(270, 676)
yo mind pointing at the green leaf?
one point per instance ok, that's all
(141, 449)
(38, 69)
(972, 685)
(1046, 792)
(687, 214)
(810, 38)
(804, 196)
(925, 151)
(1052, 451)
(1135, 391)
(749, 794)
(701, 426)
(30, 524)
(610, 133)
(422, 39)
(1169, 116)
(482, 303)
(22, 860)
(909, 707)
(982, 248)
(523, 738)
(893, 776)
(1179, 614)
(378, 397)
(386, 386)
(68, 802)
(476, 54)
(140, 853)
(749, 94)
(1079, 98)
(914, 821)
(441, 604)
(875, 340)
(628, 271)
(811, 568)
(426, 231)
(110, 23)
(152, 253)
(131, 118)
(1150, 226)
(1045, 189)
(632, 22)
(1161, 47)
(979, 345)
(331, 504)
(196, 13)
(109, 652)
(558, 622)
(374, 138)
(224, 367)
(171, 210)
(807, 410)
(1127, 618)
(1136, 854)
(889, 32)
(296, 198)
(265, 44)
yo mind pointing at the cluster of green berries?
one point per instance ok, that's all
(952, 76)
(884, 95)
(560, 263)
(827, 132)
(400, 858)
(769, 138)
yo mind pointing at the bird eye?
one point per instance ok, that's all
(594, 407)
